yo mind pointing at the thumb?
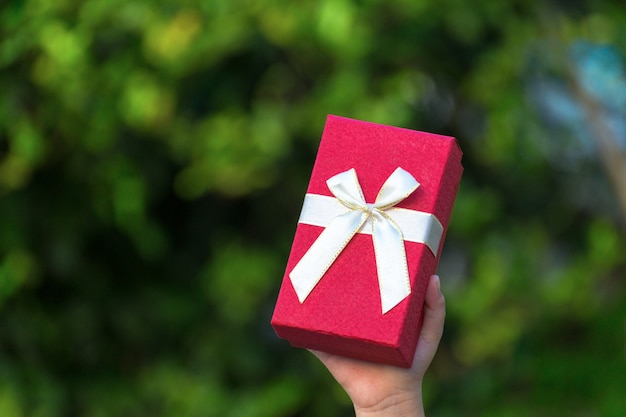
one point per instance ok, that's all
(432, 327)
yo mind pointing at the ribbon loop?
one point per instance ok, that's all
(346, 188)
(391, 263)
(396, 188)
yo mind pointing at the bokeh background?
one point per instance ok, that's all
(154, 156)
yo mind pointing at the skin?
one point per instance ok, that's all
(382, 390)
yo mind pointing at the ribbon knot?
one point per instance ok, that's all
(391, 263)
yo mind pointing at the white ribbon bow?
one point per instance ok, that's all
(391, 263)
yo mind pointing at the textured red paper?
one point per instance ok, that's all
(343, 312)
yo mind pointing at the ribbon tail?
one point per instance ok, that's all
(391, 263)
(324, 251)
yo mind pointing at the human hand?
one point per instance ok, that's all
(378, 390)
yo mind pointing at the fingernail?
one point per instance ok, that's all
(438, 283)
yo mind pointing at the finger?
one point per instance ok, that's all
(322, 356)
(432, 327)
(434, 312)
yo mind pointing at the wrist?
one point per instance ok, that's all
(399, 405)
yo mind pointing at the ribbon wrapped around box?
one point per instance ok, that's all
(369, 237)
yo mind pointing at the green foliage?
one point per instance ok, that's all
(153, 158)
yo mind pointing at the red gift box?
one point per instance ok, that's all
(342, 313)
